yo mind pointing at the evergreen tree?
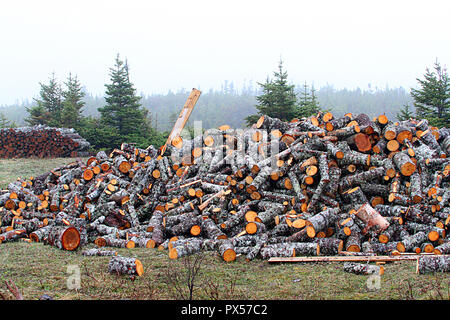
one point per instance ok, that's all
(308, 104)
(123, 119)
(51, 101)
(73, 103)
(314, 100)
(278, 99)
(432, 99)
(405, 113)
(4, 122)
(37, 115)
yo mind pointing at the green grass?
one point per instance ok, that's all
(11, 169)
(39, 269)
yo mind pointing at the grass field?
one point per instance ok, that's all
(38, 269)
(11, 169)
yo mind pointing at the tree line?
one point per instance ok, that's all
(430, 101)
(123, 116)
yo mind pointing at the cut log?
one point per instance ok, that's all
(433, 264)
(442, 249)
(212, 231)
(321, 221)
(362, 178)
(98, 252)
(372, 218)
(12, 235)
(111, 241)
(416, 187)
(404, 164)
(254, 251)
(62, 237)
(365, 269)
(226, 251)
(142, 242)
(360, 141)
(329, 246)
(255, 227)
(185, 249)
(125, 266)
(412, 241)
(41, 234)
(353, 243)
(156, 227)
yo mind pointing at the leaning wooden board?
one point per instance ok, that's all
(182, 118)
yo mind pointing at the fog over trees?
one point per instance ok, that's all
(231, 105)
(122, 115)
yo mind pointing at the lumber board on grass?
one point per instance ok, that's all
(346, 258)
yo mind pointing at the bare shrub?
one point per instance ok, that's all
(182, 281)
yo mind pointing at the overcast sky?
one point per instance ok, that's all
(185, 44)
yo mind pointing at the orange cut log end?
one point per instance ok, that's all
(70, 239)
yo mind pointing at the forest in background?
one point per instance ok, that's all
(231, 105)
(121, 115)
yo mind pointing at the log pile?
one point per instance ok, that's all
(41, 141)
(313, 186)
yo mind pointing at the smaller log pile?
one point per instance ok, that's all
(314, 186)
(42, 141)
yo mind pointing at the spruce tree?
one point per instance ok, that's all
(314, 101)
(73, 103)
(278, 99)
(432, 99)
(51, 100)
(123, 119)
(37, 115)
(307, 104)
(405, 113)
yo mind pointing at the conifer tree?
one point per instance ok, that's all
(432, 99)
(73, 103)
(405, 113)
(51, 100)
(278, 99)
(307, 104)
(49, 105)
(37, 115)
(123, 119)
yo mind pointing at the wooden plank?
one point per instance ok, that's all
(345, 259)
(182, 118)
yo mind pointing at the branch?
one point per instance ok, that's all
(13, 289)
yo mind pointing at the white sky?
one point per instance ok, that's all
(185, 44)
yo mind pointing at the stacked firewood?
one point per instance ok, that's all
(314, 186)
(42, 141)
